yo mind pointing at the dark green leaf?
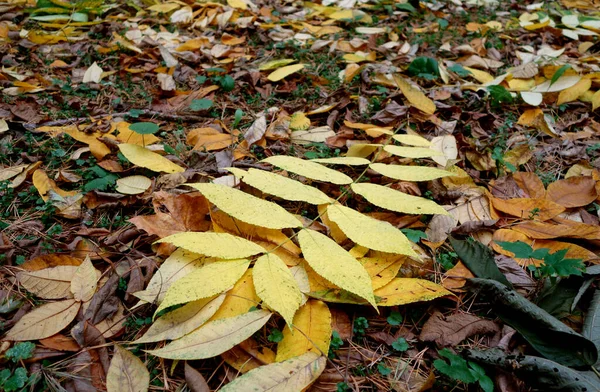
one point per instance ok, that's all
(144, 128)
(479, 259)
(275, 336)
(101, 184)
(383, 370)
(400, 345)
(20, 351)
(414, 235)
(395, 318)
(239, 113)
(459, 70)
(548, 335)
(201, 104)
(17, 381)
(519, 248)
(558, 298)
(591, 325)
(424, 67)
(457, 369)
(556, 265)
(405, 7)
(559, 72)
(227, 83)
(499, 95)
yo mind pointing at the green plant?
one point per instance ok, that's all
(335, 344)
(360, 326)
(383, 370)
(499, 96)
(424, 67)
(201, 104)
(447, 260)
(395, 318)
(400, 345)
(20, 351)
(275, 336)
(461, 370)
(13, 381)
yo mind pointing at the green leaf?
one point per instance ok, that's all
(275, 336)
(101, 184)
(383, 370)
(201, 104)
(457, 369)
(239, 113)
(479, 259)
(406, 7)
(519, 248)
(424, 67)
(227, 83)
(548, 335)
(400, 345)
(20, 351)
(499, 95)
(395, 318)
(591, 325)
(556, 265)
(559, 72)
(17, 381)
(459, 70)
(144, 128)
(414, 235)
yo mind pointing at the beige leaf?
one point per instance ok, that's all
(93, 74)
(84, 282)
(44, 321)
(49, 283)
(133, 185)
(256, 131)
(127, 373)
(446, 145)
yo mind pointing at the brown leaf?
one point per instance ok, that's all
(566, 229)
(341, 323)
(248, 355)
(573, 191)
(194, 380)
(51, 260)
(60, 342)
(44, 321)
(455, 278)
(531, 184)
(525, 208)
(514, 273)
(453, 329)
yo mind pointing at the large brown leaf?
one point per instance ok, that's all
(525, 208)
(573, 191)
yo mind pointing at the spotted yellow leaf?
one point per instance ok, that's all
(412, 152)
(299, 122)
(402, 291)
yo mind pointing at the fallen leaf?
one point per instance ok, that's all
(573, 191)
(526, 208)
(453, 329)
(127, 372)
(44, 321)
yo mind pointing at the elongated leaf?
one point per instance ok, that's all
(84, 282)
(393, 200)
(369, 232)
(412, 152)
(44, 321)
(219, 245)
(414, 96)
(335, 264)
(49, 283)
(215, 337)
(350, 161)
(410, 173)
(292, 375)
(311, 332)
(209, 280)
(539, 373)
(182, 321)
(247, 208)
(276, 286)
(412, 140)
(591, 326)
(284, 72)
(281, 186)
(550, 337)
(479, 259)
(127, 373)
(308, 169)
(402, 291)
(143, 157)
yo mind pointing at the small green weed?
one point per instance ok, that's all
(461, 370)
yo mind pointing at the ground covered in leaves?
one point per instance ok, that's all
(459, 140)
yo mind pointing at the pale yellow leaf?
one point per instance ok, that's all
(412, 152)
(240, 299)
(281, 186)
(369, 232)
(402, 291)
(299, 122)
(49, 283)
(308, 169)
(93, 74)
(208, 280)
(215, 337)
(414, 96)
(295, 374)
(274, 64)
(127, 373)
(276, 286)
(164, 7)
(350, 161)
(284, 72)
(410, 173)
(219, 245)
(311, 332)
(143, 157)
(412, 140)
(313, 135)
(44, 321)
(176, 266)
(133, 185)
(533, 99)
(335, 264)
(572, 93)
(596, 100)
(447, 146)
(393, 200)
(362, 150)
(182, 321)
(563, 83)
(247, 208)
(84, 282)
(239, 4)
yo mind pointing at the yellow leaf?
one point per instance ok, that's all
(240, 299)
(84, 282)
(572, 93)
(176, 266)
(219, 245)
(412, 140)
(334, 230)
(182, 321)
(414, 96)
(412, 152)
(533, 99)
(126, 135)
(284, 72)
(126, 373)
(308, 169)
(247, 208)
(97, 148)
(209, 280)
(410, 173)
(402, 291)
(369, 232)
(44, 321)
(299, 121)
(362, 150)
(596, 100)
(49, 283)
(281, 186)
(164, 7)
(209, 139)
(382, 269)
(143, 157)
(274, 64)
(239, 4)
(481, 76)
(335, 264)
(276, 286)
(295, 374)
(215, 337)
(133, 185)
(44, 185)
(393, 200)
(350, 161)
(311, 332)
